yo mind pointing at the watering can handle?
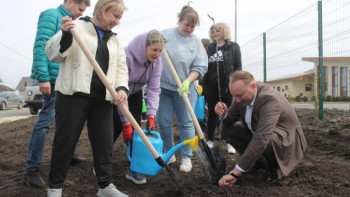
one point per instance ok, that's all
(184, 95)
(104, 79)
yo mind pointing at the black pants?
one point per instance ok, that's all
(135, 108)
(212, 97)
(71, 114)
(239, 137)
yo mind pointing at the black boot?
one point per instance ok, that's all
(274, 175)
(34, 179)
(76, 160)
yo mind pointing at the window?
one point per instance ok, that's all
(286, 87)
(344, 79)
(278, 89)
(308, 87)
(325, 81)
(282, 90)
(335, 80)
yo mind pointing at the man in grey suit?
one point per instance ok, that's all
(263, 127)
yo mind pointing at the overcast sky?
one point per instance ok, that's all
(19, 22)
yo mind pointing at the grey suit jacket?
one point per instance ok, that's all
(273, 121)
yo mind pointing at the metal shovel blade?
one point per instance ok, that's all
(212, 172)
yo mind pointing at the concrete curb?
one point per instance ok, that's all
(13, 118)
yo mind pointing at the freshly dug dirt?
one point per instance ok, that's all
(324, 171)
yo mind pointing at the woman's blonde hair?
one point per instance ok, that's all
(154, 36)
(220, 27)
(102, 6)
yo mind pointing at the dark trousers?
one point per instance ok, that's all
(212, 97)
(135, 108)
(239, 137)
(71, 114)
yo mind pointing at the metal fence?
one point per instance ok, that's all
(306, 57)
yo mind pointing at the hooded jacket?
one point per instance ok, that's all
(142, 72)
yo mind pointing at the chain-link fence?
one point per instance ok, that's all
(306, 57)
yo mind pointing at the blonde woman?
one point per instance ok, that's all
(227, 54)
(81, 95)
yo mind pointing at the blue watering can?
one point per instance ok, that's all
(142, 160)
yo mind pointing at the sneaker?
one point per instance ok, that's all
(172, 159)
(135, 177)
(230, 149)
(54, 192)
(34, 179)
(210, 144)
(186, 165)
(110, 191)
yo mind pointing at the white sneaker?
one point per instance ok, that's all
(210, 144)
(54, 192)
(172, 159)
(230, 149)
(186, 165)
(110, 191)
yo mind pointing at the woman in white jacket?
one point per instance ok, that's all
(81, 95)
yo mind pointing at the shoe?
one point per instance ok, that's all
(54, 192)
(93, 171)
(210, 144)
(34, 179)
(230, 149)
(76, 160)
(172, 159)
(273, 176)
(110, 191)
(186, 165)
(135, 177)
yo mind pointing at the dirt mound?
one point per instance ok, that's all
(324, 171)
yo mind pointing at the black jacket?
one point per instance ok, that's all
(232, 60)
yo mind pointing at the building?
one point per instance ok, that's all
(22, 86)
(336, 75)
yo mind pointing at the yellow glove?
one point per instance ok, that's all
(185, 87)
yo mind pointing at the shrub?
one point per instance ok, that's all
(305, 99)
(297, 98)
(313, 98)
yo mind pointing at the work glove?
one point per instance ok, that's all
(127, 133)
(185, 87)
(150, 124)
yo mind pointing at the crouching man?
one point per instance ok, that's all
(263, 127)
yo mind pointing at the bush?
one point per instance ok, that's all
(305, 99)
(313, 98)
(297, 98)
(328, 98)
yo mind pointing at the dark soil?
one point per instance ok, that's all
(324, 171)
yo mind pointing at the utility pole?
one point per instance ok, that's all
(235, 20)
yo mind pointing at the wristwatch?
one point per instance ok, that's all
(232, 174)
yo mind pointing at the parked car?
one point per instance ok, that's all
(10, 100)
(33, 97)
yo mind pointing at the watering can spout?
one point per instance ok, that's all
(192, 142)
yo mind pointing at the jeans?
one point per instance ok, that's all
(41, 128)
(170, 102)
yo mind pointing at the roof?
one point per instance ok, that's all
(326, 59)
(5, 88)
(22, 84)
(294, 77)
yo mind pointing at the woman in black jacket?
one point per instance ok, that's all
(226, 55)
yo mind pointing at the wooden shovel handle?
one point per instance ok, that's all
(184, 95)
(111, 89)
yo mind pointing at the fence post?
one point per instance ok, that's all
(320, 59)
(264, 48)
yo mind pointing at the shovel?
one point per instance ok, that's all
(211, 161)
(126, 111)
